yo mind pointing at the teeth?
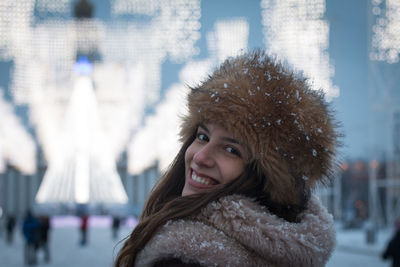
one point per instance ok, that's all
(200, 179)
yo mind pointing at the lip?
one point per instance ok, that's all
(198, 185)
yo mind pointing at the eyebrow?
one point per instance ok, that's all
(204, 127)
(226, 139)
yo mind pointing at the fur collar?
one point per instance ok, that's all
(236, 231)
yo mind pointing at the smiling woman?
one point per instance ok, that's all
(256, 141)
(214, 158)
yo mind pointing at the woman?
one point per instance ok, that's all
(256, 141)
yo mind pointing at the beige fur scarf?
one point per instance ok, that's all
(236, 231)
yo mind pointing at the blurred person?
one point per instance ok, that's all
(44, 236)
(2, 222)
(10, 225)
(31, 232)
(115, 226)
(392, 251)
(83, 9)
(256, 141)
(83, 229)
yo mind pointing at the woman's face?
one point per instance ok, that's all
(214, 158)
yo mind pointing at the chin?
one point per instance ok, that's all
(187, 191)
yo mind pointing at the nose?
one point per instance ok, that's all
(204, 156)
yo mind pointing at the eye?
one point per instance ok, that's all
(202, 137)
(233, 151)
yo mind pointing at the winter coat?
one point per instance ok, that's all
(31, 229)
(237, 231)
(393, 250)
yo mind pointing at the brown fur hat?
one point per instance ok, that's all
(286, 126)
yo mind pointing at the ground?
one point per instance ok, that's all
(351, 249)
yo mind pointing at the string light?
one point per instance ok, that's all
(128, 55)
(229, 37)
(17, 147)
(160, 130)
(385, 42)
(82, 169)
(59, 6)
(295, 31)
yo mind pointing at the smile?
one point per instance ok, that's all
(201, 181)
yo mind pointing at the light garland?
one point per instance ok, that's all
(16, 17)
(385, 42)
(59, 6)
(82, 169)
(127, 75)
(17, 147)
(296, 32)
(228, 38)
(161, 129)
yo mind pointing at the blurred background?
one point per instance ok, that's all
(91, 94)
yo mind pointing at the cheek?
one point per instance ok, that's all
(232, 170)
(189, 154)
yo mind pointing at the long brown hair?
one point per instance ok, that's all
(166, 203)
